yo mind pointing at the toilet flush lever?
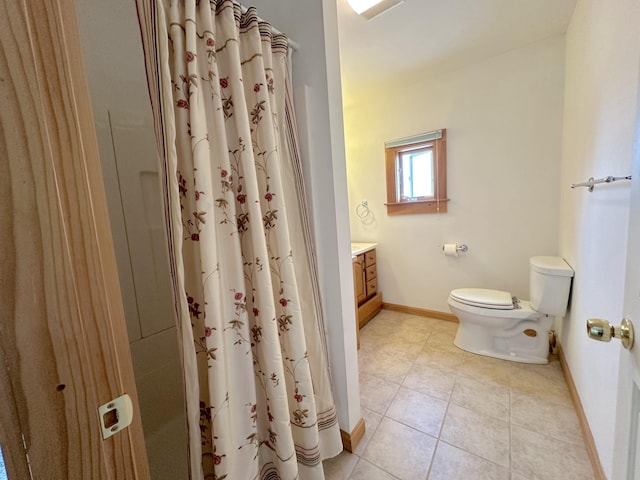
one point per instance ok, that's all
(603, 331)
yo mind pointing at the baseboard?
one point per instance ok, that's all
(586, 431)
(423, 312)
(351, 440)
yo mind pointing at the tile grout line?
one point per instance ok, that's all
(383, 415)
(510, 428)
(457, 379)
(433, 457)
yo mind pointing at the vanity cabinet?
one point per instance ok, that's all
(370, 273)
(359, 281)
(365, 278)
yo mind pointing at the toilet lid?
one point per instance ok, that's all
(483, 298)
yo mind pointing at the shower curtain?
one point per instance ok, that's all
(259, 401)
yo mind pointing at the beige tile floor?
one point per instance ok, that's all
(433, 411)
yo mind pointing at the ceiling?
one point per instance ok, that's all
(425, 34)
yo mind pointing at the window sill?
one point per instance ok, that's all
(418, 206)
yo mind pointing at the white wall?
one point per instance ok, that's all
(503, 117)
(603, 52)
(316, 77)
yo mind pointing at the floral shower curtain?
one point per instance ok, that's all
(259, 402)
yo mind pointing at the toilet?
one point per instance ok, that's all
(495, 324)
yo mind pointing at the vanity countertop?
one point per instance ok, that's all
(357, 248)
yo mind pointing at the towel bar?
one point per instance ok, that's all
(591, 182)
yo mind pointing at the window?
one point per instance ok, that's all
(417, 174)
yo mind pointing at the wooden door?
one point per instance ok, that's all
(63, 341)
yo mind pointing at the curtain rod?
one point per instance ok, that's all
(292, 43)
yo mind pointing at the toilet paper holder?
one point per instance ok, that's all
(459, 248)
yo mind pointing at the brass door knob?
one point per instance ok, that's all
(603, 331)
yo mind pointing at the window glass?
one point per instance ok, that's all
(3, 470)
(416, 174)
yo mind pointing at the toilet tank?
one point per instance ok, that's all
(549, 284)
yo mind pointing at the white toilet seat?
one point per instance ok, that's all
(523, 312)
(484, 298)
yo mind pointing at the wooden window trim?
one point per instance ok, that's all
(435, 204)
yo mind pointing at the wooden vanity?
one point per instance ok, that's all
(365, 279)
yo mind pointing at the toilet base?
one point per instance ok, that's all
(512, 344)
